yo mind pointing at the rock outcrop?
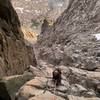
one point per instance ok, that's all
(75, 84)
(11, 84)
(15, 56)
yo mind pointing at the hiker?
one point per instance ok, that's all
(57, 76)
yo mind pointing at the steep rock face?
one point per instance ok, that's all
(70, 40)
(14, 55)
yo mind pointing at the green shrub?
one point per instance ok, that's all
(35, 23)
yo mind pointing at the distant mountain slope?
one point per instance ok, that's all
(70, 40)
(37, 9)
(29, 9)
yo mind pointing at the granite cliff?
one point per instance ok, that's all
(15, 56)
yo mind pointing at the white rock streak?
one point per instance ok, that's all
(97, 36)
(20, 9)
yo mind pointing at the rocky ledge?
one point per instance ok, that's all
(76, 84)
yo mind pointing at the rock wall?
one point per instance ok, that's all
(15, 56)
(70, 40)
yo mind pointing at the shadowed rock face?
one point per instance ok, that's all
(8, 14)
(15, 56)
(70, 40)
(3, 92)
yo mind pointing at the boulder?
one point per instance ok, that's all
(42, 70)
(40, 88)
(90, 65)
(77, 89)
(71, 97)
(32, 88)
(12, 84)
(47, 96)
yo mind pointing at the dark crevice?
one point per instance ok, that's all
(4, 95)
